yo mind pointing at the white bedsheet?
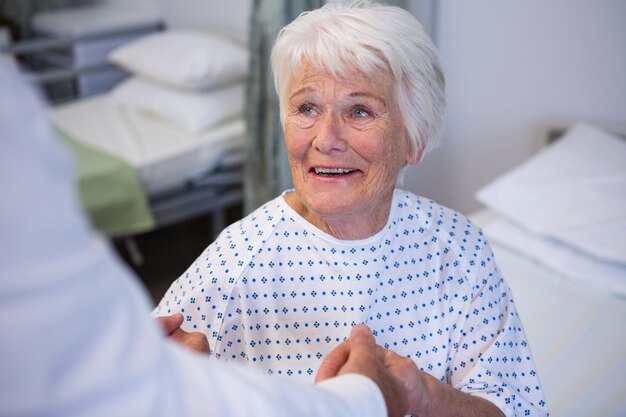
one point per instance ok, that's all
(576, 331)
(163, 155)
(563, 259)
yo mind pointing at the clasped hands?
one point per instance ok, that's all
(398, 378)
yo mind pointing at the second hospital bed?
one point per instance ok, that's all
(136, 169)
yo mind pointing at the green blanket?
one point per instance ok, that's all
(110, 191)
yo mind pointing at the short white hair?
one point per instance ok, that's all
(370, 38)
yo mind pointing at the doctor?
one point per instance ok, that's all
(65, 351)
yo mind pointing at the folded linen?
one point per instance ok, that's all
(189, 59)
(192, 111)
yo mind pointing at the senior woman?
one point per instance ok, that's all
(361, 96)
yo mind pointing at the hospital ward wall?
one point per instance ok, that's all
(231, 17)
(513, 69)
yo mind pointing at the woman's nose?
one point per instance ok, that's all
(331, 133)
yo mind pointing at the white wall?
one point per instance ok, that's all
(514, 68)
(229, 16)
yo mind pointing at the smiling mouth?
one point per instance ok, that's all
(333, 172)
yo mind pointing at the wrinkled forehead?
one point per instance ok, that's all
(318, 83)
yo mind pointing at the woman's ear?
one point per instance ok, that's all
(415, 157)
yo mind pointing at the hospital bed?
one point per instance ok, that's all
(182, 175)
(136, 171)
(571, 295)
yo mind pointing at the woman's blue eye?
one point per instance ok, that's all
(306, 110)
(360, 113)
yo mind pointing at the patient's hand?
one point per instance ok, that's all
(192, 340)
(398, 378)
(407, 372)
(405, 388)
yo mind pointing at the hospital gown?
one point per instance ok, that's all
(278, 293)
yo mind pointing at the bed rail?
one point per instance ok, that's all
(44, 63)
(212, 193)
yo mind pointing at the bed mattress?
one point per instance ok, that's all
(575, 329)
(163, 155)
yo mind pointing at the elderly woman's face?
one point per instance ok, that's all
(346, 143)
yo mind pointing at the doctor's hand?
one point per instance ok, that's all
(192, 340)
(398, 378)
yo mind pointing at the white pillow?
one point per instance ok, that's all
(184, 58)
(573, 191)
(194, 112)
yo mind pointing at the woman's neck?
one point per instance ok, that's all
(351, 226)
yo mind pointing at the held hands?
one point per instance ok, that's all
(171, 327)
(398, 378)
